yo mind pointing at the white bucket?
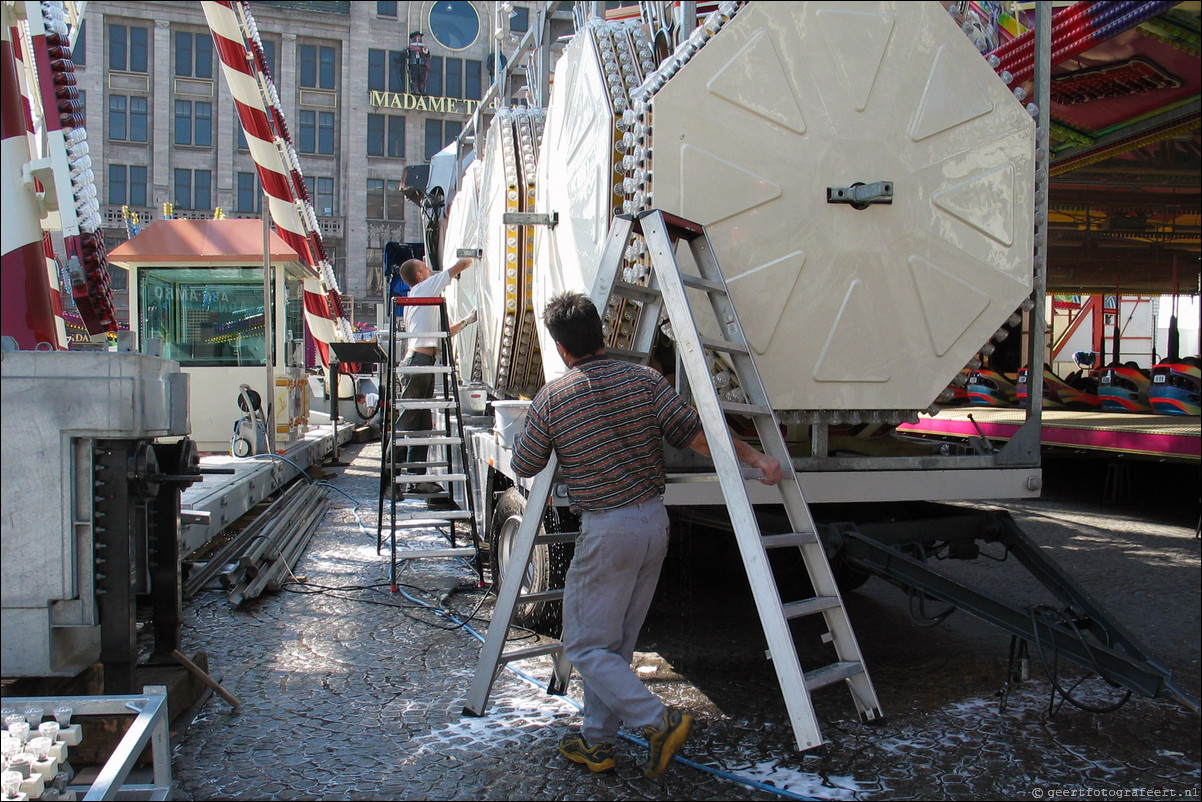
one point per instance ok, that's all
(473, 398)
(508, 419)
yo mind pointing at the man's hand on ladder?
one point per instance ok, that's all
(766, 469)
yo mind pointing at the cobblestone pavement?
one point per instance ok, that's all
(352, 692)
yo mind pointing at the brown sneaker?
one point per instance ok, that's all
(662, 742)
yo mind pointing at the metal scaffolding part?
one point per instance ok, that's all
(264, 553)
(150, 727)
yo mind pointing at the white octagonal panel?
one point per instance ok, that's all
(875, 308)
(574, 166)
(463, 230)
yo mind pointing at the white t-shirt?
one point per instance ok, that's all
(426, 318)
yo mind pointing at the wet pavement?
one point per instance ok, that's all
(349, 691)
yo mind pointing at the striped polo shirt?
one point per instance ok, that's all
(607, 421)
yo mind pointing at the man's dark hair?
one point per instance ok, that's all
(409, 271)
(574, 323)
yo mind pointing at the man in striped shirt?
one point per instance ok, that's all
(607, 421)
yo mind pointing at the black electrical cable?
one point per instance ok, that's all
(1045, 613)
(926, 621)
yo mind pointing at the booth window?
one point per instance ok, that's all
(205, 316)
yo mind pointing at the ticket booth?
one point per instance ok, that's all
(197, 296)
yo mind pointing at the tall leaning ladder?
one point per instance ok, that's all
(446, 433)
(665, 294)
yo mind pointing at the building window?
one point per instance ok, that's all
(453, 75)
(439, 134)
(471, 80)
(459, 78)
(306, 141)
(386, 70)
(316, 67)
(519, 21)
(269, 54)
(325, 132)
(194, 123)
(239, 131)
(127, 185)
(455, 24)
(127, 118)
(118, 117)
(128, 48)
(316, 132)
(377, 67)
(385, 200)
(249, 195)
(386, 9)
(434, 79)
(79, 53)
(396, 137)
(321, 195)
(386, 136)
(193, 189)
(193, 55)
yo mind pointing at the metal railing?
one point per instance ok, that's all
(151, 726)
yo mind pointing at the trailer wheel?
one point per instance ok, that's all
(548, 563)
(847, 577)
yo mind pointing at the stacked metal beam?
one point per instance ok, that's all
(263, 554)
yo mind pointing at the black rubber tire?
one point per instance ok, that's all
(847, 577)
(364, 410)
(548, 564)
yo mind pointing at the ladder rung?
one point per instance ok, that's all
(556, 537)
(622, 353)
(402, 466)
(421, 370)
(424, 518)
(744, 409)
(421, 554)
(410, 335)
(636, 291)
(425, 404)
(702, 284)
(417, 478)
(424, 433)
(530, 651)
(541, 596)
(723, 345)
(806, 607)
(829, 675)
(788, 539)
(401, 440)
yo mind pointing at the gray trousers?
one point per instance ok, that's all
(608, 591)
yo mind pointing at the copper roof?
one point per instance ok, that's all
(202, 242)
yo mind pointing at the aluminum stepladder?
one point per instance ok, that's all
(446, 433)
(666, 293)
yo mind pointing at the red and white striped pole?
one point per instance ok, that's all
(235, 37)
(27, 305)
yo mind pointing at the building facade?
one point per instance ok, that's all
(163, 128)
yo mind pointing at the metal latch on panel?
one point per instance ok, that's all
(530, 219)
(860, 195)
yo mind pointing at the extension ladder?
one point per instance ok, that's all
(665, 294)
(446, 433)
